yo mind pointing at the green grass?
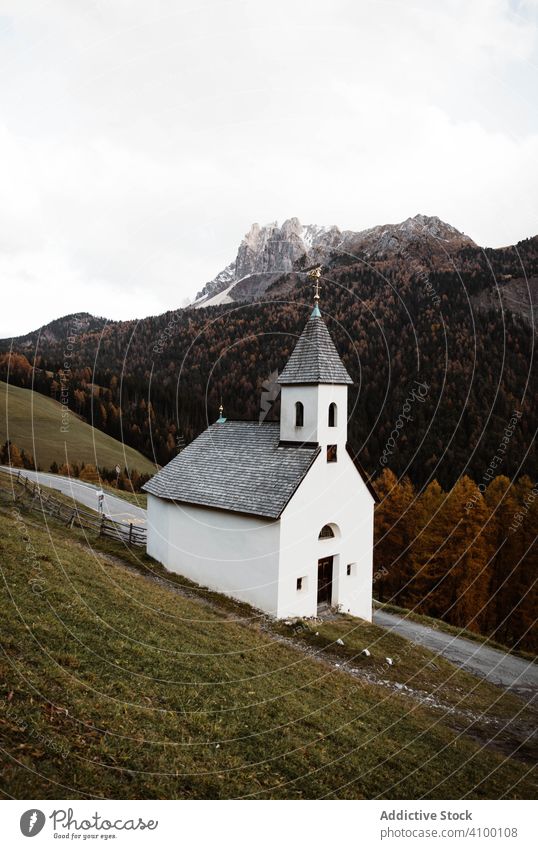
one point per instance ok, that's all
(115, 686)
(453, 630)
(413, 666)
(33, 422)
(138, 498)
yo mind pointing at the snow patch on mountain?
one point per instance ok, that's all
(222, 297)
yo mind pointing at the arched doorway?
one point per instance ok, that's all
(326, 566)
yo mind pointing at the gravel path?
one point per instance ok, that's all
(506, 670)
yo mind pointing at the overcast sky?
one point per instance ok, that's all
(139, 140)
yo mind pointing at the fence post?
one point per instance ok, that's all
(101, 529)
(130, 533)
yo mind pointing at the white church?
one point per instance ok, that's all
(278, 515)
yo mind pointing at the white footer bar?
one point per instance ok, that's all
(268, 824)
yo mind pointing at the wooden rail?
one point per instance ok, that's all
(45, 503)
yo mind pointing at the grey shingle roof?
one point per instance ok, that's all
(236, 466)
(315, 358)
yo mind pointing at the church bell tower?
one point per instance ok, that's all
(314, 389)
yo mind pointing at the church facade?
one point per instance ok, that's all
(279, 515)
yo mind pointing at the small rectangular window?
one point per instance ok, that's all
(299, 583)
(350, 569)
(331, 453)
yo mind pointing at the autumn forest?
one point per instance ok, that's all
(443, 412)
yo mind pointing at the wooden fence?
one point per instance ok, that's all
(36, 499)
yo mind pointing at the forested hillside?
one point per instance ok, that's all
(445, 397)
(160, 379)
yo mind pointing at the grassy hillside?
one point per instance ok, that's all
(121, 681)
(34, 422)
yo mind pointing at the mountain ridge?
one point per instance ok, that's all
(251, 274)
(272, 250)
(427, 315)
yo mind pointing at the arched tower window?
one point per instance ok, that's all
(332, 415)
(326, 532)
(299, 414)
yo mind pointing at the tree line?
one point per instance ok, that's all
(129, 480)
(467, 555)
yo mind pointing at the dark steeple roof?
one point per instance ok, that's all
(315, 358)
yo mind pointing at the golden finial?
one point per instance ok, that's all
(221, 408)
(315, 274)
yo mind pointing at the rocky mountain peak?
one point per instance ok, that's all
(268, 251)
(424, 234)
(431, 225)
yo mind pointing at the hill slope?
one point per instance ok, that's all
(121, 686)
(34, 422)
(68, 327)
(416, 301)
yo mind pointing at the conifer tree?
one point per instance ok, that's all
(519, 625)
(393, 535)
(501, 500)
(89, 473)
(428, 538)
(457, 571)
(13, 455)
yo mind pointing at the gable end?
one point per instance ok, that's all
(362, 472)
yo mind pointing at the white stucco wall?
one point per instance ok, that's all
(332, 435)
(331, 493)
(259, 561)
(316, 400)
(157, 530)
(234, 554)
